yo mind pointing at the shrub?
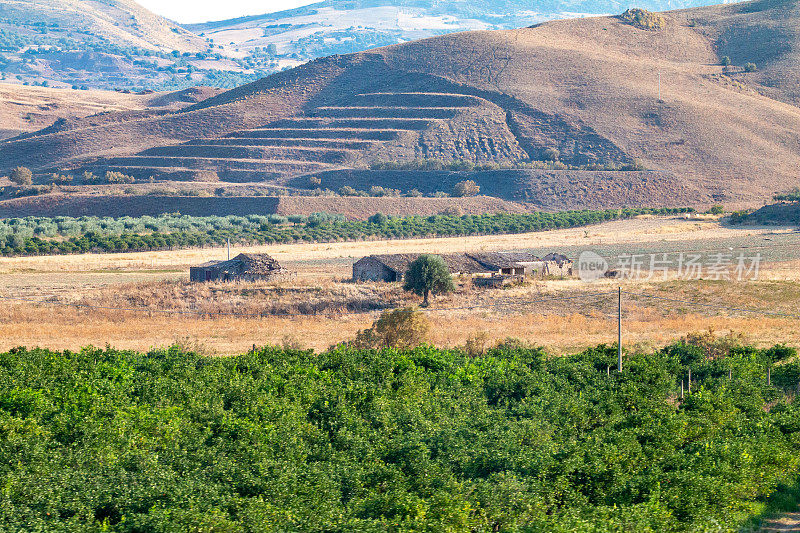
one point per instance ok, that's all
(466, 188)
(427, 275)
(551, 154)
(403, 329)
(58, 179)
(22, 176)
(118, 177)
(750, 67)
(643, 19)
(716, 210)
(725, 61)
(379, 219)
(452, 211)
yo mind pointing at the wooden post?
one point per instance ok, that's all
(690, 381)
(730, 374)
(619, 331)
(681, 389)
(769, 375)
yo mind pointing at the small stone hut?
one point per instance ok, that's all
(557, 264)
(243, 267)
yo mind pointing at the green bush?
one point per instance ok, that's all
(750, 67)
(21, 176)
(365, 440)
(466, 188)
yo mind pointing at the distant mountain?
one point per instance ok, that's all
(108, 44)
(117, 44)
(348, 26)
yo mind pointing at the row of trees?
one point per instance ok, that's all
(412, 440)
(315, 228)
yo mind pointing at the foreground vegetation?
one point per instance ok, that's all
(60, 235)
(427, 439)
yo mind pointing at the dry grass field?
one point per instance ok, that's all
(144, 299)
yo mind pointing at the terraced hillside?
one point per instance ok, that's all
(370, 127)
(585, 92)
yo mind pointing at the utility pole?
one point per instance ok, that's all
(619, 331)
(659, 86)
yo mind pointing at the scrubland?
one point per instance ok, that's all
(144, 299)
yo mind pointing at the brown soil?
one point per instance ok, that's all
(586, 87)
(353, 207)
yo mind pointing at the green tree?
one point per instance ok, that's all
(378, 219)
(725, 61)
(466, 188)
(22, 176)
(750, 67)
(404, 328)
(427, 275)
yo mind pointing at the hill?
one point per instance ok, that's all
(567, 101)
(108, 44)
(28, 109)
(348, 26)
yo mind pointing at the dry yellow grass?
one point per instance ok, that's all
(56, 328)
(532, 312)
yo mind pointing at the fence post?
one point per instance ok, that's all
(619, 331)
(690, 380)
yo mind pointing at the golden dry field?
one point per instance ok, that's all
(143, 300)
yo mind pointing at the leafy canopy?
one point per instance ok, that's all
(428, 274)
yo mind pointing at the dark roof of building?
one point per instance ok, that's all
(247, 264)
(560, 259)
(461, 263)
(499, 260)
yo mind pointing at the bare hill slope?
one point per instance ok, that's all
(586, 91)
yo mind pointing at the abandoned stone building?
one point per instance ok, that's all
(556, 264)
(392, 267)
(243, 267)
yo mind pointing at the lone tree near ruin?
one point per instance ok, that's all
(427, 275)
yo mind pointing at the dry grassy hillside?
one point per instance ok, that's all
(121, 22)
(587, 89)
(25, 109)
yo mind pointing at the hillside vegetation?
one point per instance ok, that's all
(429, 439)
(570, 96)
(109, 44)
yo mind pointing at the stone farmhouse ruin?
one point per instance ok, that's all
(243, 267)
(496, 266)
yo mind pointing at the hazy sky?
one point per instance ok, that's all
(206, 10)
